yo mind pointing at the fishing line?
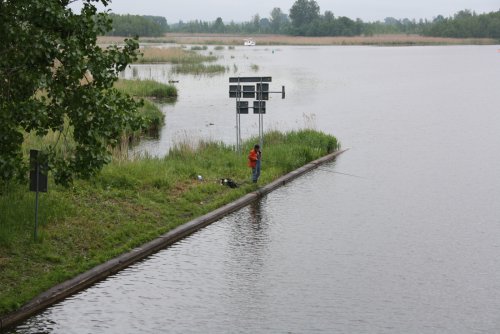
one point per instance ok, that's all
(332, 171)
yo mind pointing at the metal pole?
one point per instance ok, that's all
(237, 129)
(36, 198)
(261, 126)
(237, 142)
(238, 118)
(239, 132)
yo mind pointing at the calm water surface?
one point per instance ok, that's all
(410, 245)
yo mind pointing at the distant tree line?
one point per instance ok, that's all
(138, 25)
(465, 24)
(305, 19)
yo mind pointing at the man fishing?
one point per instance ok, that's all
(254, 162)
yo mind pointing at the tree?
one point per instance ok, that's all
(136, 25)
(278, 20)
(256, 23)
(303, 13)
(218, 25)
(54, 77)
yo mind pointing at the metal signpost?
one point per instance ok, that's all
(258, 90)
(38, 181)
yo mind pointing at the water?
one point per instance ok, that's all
(409, 246)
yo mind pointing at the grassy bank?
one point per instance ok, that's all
(147, 89)
(129, 203)
(150, 90)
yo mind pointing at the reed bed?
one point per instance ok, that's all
(383, 40)
(199, 69)
(173, 55)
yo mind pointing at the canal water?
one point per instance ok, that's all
(408, 242)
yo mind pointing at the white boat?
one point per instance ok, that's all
(249, 42)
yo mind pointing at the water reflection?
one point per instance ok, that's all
(247, 246)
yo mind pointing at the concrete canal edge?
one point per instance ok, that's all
(92, 276)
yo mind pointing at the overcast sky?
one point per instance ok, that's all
(240, 11)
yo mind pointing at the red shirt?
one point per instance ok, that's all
(252, 158)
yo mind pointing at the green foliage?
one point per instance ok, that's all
(53, 71)
(146, 88)
(138, 25)
(154, 118)
(305, 19)
(199, 69)
(199, 47)
(278, 20)
(304, 13)
(466, 24)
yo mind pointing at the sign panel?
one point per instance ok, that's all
(242, 107)
(234, 91)
(259, 107)
(249, 92)
(250, 79)
(262, 91)
(41, 169)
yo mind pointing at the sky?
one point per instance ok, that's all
(242, 11)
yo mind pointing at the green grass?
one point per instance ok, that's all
(199, 48)
(128, 204)
(152, 90)
(147, 88)
(174, 56)
(199, 69)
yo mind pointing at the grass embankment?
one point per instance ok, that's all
(149, 90)
(129, 203)
(184, 61)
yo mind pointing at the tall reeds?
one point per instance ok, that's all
(173, 55)
(199, 69)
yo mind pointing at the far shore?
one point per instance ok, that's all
(232, 39)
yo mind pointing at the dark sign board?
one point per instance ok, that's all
(262, 91)
(250, 79)
(249, 91)
(242, 107)
(259, 107)
(238, 91)
(37, 168)
(234, 91)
